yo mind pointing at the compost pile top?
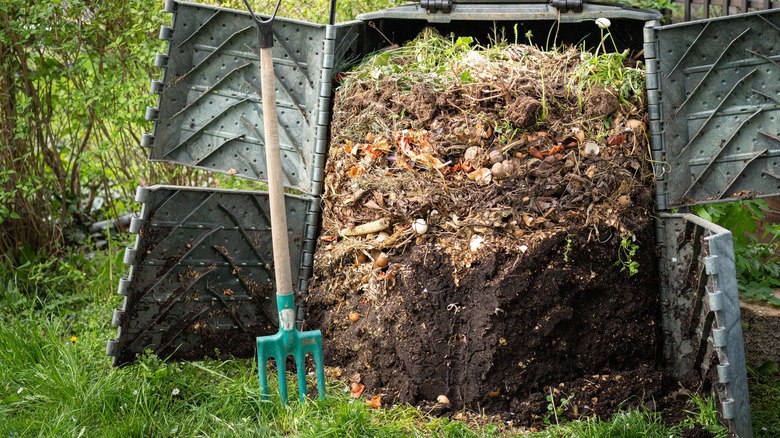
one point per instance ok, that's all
(476, 202)
(511, 143)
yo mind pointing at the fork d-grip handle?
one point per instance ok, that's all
(273, 158)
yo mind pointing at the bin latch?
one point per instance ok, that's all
(567, 5)
(437, 5)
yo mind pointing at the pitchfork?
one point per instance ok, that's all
(288, 341)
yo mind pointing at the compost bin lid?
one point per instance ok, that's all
(533, 10)
(714, 103)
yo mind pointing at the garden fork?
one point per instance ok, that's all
(289, 341)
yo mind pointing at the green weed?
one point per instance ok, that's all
(626, 253)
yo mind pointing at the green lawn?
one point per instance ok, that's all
(55, 379)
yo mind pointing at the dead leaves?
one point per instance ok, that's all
(357, 389)
(375, 402)
(414, 145)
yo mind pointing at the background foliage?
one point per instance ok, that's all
(756, 252)
(73, 87)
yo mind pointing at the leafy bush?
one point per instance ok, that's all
(73, 87)
(74, 81)
(757, 263)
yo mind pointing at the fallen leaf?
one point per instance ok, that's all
(615, 139)
(328, 238)
(416, 146)
(635, 124)
(482, 176)
(375, 402)
(535, 153)
(356, 390)
(355, 171)
(350, 148)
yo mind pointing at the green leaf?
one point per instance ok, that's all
(10, 400)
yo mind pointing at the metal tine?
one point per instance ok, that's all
(712, 67)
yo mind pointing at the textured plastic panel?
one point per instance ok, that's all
(210, 110)
(717, 128)
(512, 11)
(700, 312)
(202, 272)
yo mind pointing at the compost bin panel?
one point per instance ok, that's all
(209, 114)
(201, 282)
(700, 312)
(719, 101)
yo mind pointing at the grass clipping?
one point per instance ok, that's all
(478, 147)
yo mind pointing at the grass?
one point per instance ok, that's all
(55, 380)
(765, 402)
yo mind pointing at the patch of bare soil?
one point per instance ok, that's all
(471, 232)
(761, 330)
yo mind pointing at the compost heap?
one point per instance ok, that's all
(487, 232)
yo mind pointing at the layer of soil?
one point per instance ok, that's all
(561, 319)
(761, 330)
(510, 260)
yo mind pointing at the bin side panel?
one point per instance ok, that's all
(700, 312)
(201, 281)
(210, 109)
(720, 108)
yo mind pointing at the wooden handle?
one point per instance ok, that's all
(273, 159)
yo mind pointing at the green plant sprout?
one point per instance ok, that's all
(626, 252)
(558, 410)
(567, 250)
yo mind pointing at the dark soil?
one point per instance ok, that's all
(510, 331)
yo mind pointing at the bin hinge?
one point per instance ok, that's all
(567, 5)
(437, 5)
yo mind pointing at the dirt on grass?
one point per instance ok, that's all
(488, 239)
